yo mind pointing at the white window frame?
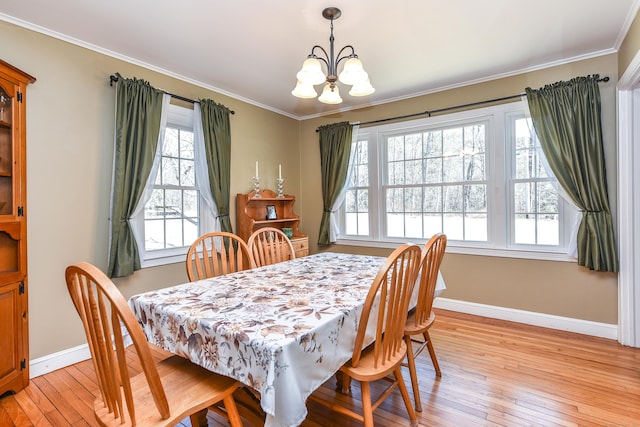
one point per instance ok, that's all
(500, 204)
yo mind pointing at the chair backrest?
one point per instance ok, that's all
(269, 245)
(103, 310)
(217, 253)
(432, 255)
(392, 287)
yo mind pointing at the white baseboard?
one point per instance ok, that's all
(603, 330)
(44, 365)
(77, 354)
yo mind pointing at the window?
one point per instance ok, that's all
(477, 176)
(171, 214)
(535, 198)
(171, 218)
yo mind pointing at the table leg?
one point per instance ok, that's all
(343, 383)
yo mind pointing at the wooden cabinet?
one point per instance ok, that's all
(268, 210)
(14, 338)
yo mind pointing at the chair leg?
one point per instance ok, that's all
(411, 363)
(232, 411)
(199, 419)
(432, 353)
(405, 396)
(367, 408)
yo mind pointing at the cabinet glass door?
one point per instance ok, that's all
(9, 230)
(6, 153)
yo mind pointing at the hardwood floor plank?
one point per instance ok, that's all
(5, 419)
(73, 392)
(63, 406)
(89, 383)
(31, 409)
(15, 412)
(43, 404)
(494, 373)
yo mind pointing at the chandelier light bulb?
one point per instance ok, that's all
(362, 89)
(352, 72)
(311, 72)
(330, 95)
(303, 90)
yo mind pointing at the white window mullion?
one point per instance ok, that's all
(376, 199)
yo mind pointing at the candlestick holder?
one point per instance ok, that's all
(256, 187)
(280, 182)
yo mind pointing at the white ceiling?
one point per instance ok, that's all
(252, 49)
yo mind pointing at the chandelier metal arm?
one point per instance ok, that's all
(326, 59)
(330, 62)
(352, 55)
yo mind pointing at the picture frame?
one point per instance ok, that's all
(271, 212)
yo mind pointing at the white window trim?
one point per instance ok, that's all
(497, 211)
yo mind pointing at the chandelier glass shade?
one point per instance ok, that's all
(352, 74)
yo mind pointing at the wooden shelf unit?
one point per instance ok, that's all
(251, 214)
(14, 314)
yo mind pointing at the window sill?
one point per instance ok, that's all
(163, 260)
(470, 250)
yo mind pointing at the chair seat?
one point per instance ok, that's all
(188, 388)
(411, 328)
(365, 371)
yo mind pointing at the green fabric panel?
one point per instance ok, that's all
(566, 118)
(217, 144)
(138, 110)
(335, 149)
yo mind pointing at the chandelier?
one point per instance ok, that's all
(353, 74)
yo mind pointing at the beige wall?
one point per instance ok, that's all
(629, 47)
(69, 155)
(557, 288)
(70, 149)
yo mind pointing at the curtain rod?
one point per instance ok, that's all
(114, 79)
(429, 113)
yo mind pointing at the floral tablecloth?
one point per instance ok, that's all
(282, 329)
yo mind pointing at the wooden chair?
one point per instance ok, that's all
(422, 317)
(217, 253)
(165, 392)
(393, 285)
(269, 245)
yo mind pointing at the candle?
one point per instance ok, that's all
(279, 171)
(257, 169)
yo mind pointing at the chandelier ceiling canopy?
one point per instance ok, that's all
(352, 74)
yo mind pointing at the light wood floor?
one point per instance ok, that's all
(494, 373)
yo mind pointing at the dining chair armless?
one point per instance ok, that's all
(217, 253)
(162, 394)
(422, 317)
(269, 245)
(385, 307)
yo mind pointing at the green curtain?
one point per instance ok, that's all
(335, 149)
(566, 118)
(217, 143)
(138, 110)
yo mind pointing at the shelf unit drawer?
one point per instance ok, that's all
(301, 246)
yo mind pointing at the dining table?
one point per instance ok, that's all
(282, 329)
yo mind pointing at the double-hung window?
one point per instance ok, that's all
(172, 216)
(477, 176)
